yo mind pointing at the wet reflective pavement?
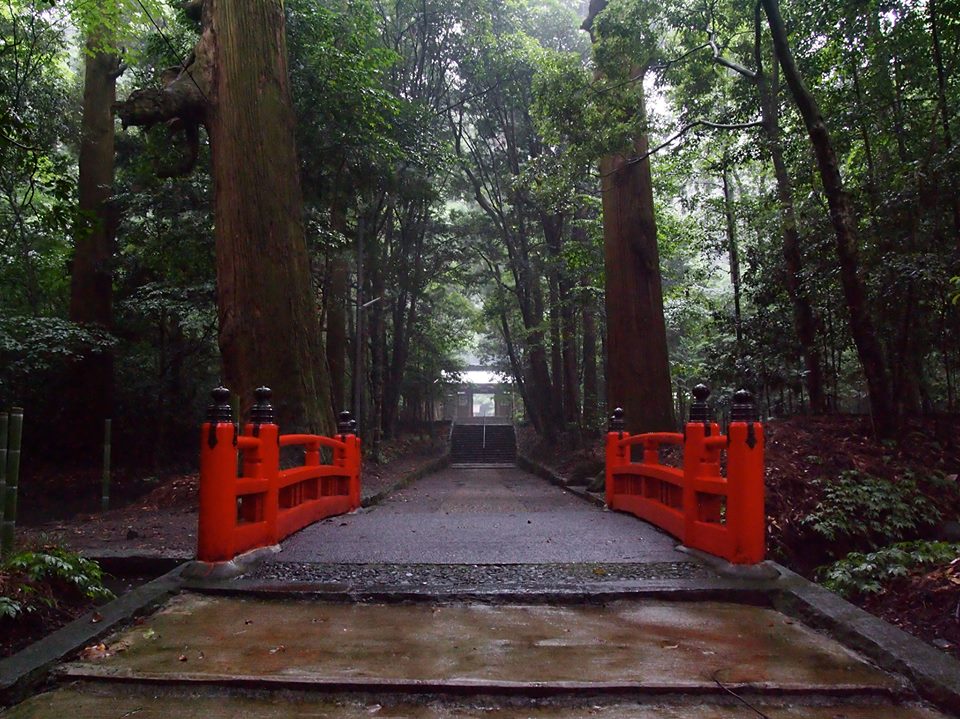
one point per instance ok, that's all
(522, 652)
(499, 515)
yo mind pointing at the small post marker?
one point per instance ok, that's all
(346, 424)
(13, 480)
(105, 486)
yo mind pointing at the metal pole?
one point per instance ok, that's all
(13, 478)
(105, 494)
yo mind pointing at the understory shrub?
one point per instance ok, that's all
(858, 573)
(859, 512)
(40, 579)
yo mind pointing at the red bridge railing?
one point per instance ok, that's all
(695, 502)
(247, 500)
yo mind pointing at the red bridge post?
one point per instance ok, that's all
(263, 461)
(218, 472)
(349, 457)
(616, 454)
(746, 512)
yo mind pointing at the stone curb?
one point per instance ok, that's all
(740, 592)
(934, 674)
(554, 477)
(241, 564)
(22, 672)
(433, 465)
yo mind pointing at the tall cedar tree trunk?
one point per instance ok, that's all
(238, 86)
(803, 318)
(91, 279)
(841, 216)
(638, 368)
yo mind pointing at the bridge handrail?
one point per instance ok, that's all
(720, 515)
(290, 440)
(262, 504)
(651, 438)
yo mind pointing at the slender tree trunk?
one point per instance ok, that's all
(91, 278)
(338, 300)
(590, 393)
(841, 216)
(568, 334)
(933, 10)
(803, 318)
(733, 252)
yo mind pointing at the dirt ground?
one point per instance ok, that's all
(802, 449)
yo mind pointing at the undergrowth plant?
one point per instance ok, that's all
(860, 512)
(858, 574)
(37, 578)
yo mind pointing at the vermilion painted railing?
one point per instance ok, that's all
(721, 515)
(262, 504)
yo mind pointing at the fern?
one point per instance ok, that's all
(862, 511)
(858, 574)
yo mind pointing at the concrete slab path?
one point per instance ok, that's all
(499, 515)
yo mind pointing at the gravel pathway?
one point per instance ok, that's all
(489, 516)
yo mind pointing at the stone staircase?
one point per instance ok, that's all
(485, 443)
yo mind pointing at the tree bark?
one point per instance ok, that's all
(637, 362)
(803, 318)
(238, 87)
(733, 253)
(337, 301)
(841, 216)
(91, 277)
(590, 393)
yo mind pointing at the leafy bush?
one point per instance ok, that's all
(35, 578)
(858, 574)
(858, 511)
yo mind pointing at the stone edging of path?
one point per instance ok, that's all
(433, 465)
(23, 672)
(554, 477)
(935, 675)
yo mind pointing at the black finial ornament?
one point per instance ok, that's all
(743, 409)
(262, 410)
(346, 424)
(617, 422)
(220, 410)
(699, 411)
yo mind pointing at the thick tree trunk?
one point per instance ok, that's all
(91, 278)
(237, 85)
(841, 216)
(571, 375)
(269, 332)
(638, 370)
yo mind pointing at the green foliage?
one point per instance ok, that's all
(858, 510)
(36, 577)
(858, 574)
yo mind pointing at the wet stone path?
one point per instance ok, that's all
(469, 526)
